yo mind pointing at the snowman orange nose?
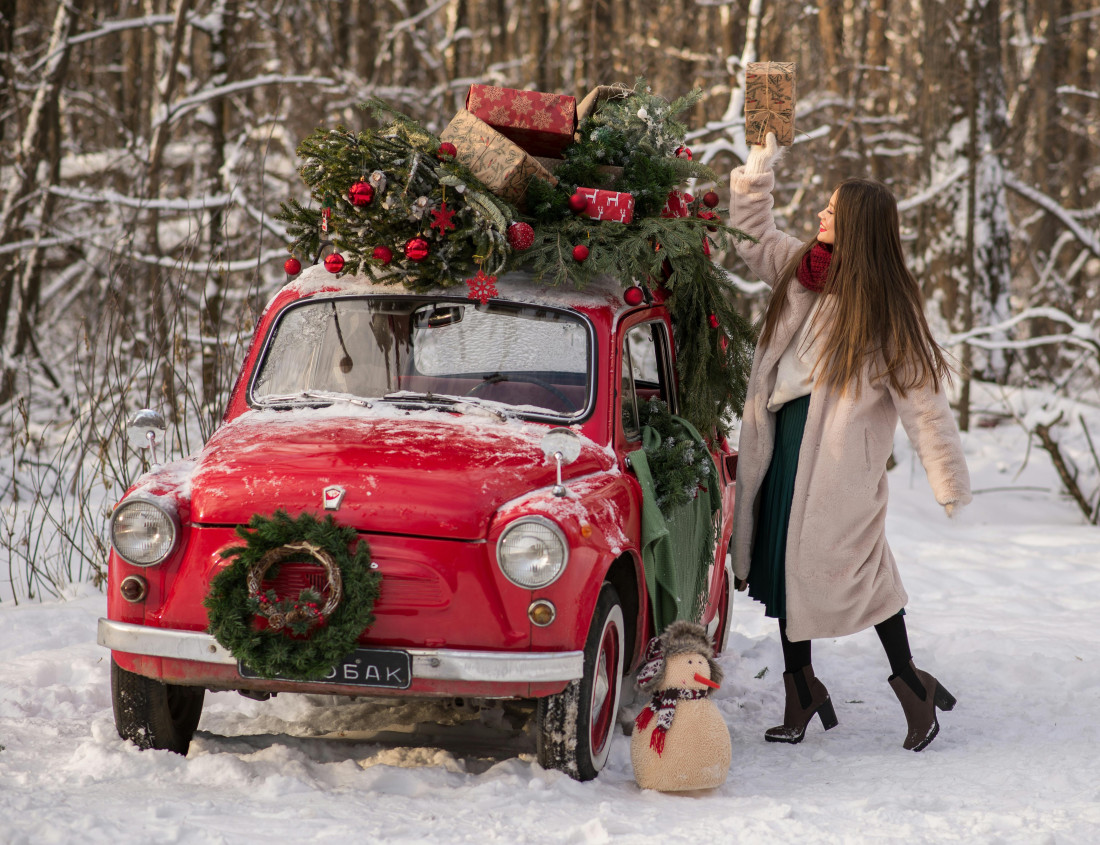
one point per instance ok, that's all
(704, 680)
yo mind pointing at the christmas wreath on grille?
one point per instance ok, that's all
(299, 637)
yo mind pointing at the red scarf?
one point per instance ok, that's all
(814, 267)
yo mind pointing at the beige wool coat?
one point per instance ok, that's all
(841, 576)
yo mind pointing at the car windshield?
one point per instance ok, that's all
(529, 360)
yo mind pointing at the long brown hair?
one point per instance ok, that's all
(876, 307)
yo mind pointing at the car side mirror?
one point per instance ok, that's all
(144, 430)
(562, 446)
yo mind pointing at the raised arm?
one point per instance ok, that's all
(751, 204)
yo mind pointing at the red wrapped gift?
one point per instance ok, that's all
(542, 124)
(608, 205)
(677, 204)
(505, 169)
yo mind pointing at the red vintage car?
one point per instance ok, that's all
(483, 451)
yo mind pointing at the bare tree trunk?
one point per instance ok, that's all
(23, 175)
(7, 65)
(156, 286)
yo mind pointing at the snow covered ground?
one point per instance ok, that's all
(1004, 607)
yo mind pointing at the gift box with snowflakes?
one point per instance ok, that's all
(505, 169)
(769, 102)
(541, 123)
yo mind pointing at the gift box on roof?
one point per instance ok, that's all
(594, 98)
(769, 102)
(542, 124)
(678, 204)
(505, 169)
(608, 205)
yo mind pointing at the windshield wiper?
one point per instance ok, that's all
(459, 404)
(308, 396)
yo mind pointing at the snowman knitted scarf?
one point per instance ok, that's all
(664, 704)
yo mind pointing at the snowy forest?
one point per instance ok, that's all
(145, 147)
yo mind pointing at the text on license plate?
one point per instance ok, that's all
(364, 667)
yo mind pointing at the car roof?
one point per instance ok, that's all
(604, 291)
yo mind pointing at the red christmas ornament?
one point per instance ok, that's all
(520, 236)
(292, 266)
(710, 199)
(634, 295)
(578, 202)
(709, 215)
(482, 287)
(713, 321)
(446, 151)
(383, 254)
(361, 193)
(334, 263)
(416, 249)
(683, 152)
(580, 252)
(441, 218)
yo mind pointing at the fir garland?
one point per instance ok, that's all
(307, 645)
(632, 143)
(678, 466)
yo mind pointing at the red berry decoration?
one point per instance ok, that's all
(383, 254)
(683, 152)
(578, 202)
(361, 193)
(416, 249)
(334, 263)
(710, 199)
(446, 151)
(713, 321)
(521, 236)
(292, 266)
(580, 252)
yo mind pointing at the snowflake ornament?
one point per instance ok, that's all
(482, 287)
(441, 218)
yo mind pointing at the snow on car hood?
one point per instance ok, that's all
(423, 473)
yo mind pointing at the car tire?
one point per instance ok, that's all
(152, 714)
(575, 727)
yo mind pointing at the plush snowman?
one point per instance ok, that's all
(680, 740)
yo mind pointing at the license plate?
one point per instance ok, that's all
(364, 667)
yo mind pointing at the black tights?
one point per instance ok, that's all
(891, 634)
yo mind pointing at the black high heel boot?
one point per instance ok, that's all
(920, 694)
(806, 696)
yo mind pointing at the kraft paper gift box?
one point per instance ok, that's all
(505, 169)
(769, 102)
(541, 124)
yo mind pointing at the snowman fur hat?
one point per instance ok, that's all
(680, 637)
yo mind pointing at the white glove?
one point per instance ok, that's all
(952, 509)
(762, 158)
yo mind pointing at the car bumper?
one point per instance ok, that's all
(433, 665)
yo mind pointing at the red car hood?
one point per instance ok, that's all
(429, 474)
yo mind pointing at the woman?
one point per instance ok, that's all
(844, 351)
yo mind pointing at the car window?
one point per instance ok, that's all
(645, 372)
(535, 359)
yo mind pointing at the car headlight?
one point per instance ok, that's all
(142, 532)
(532, 552)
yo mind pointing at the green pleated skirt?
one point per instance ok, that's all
(768, 569)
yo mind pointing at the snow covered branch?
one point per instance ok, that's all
(1080, 334)
(1089, 239)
